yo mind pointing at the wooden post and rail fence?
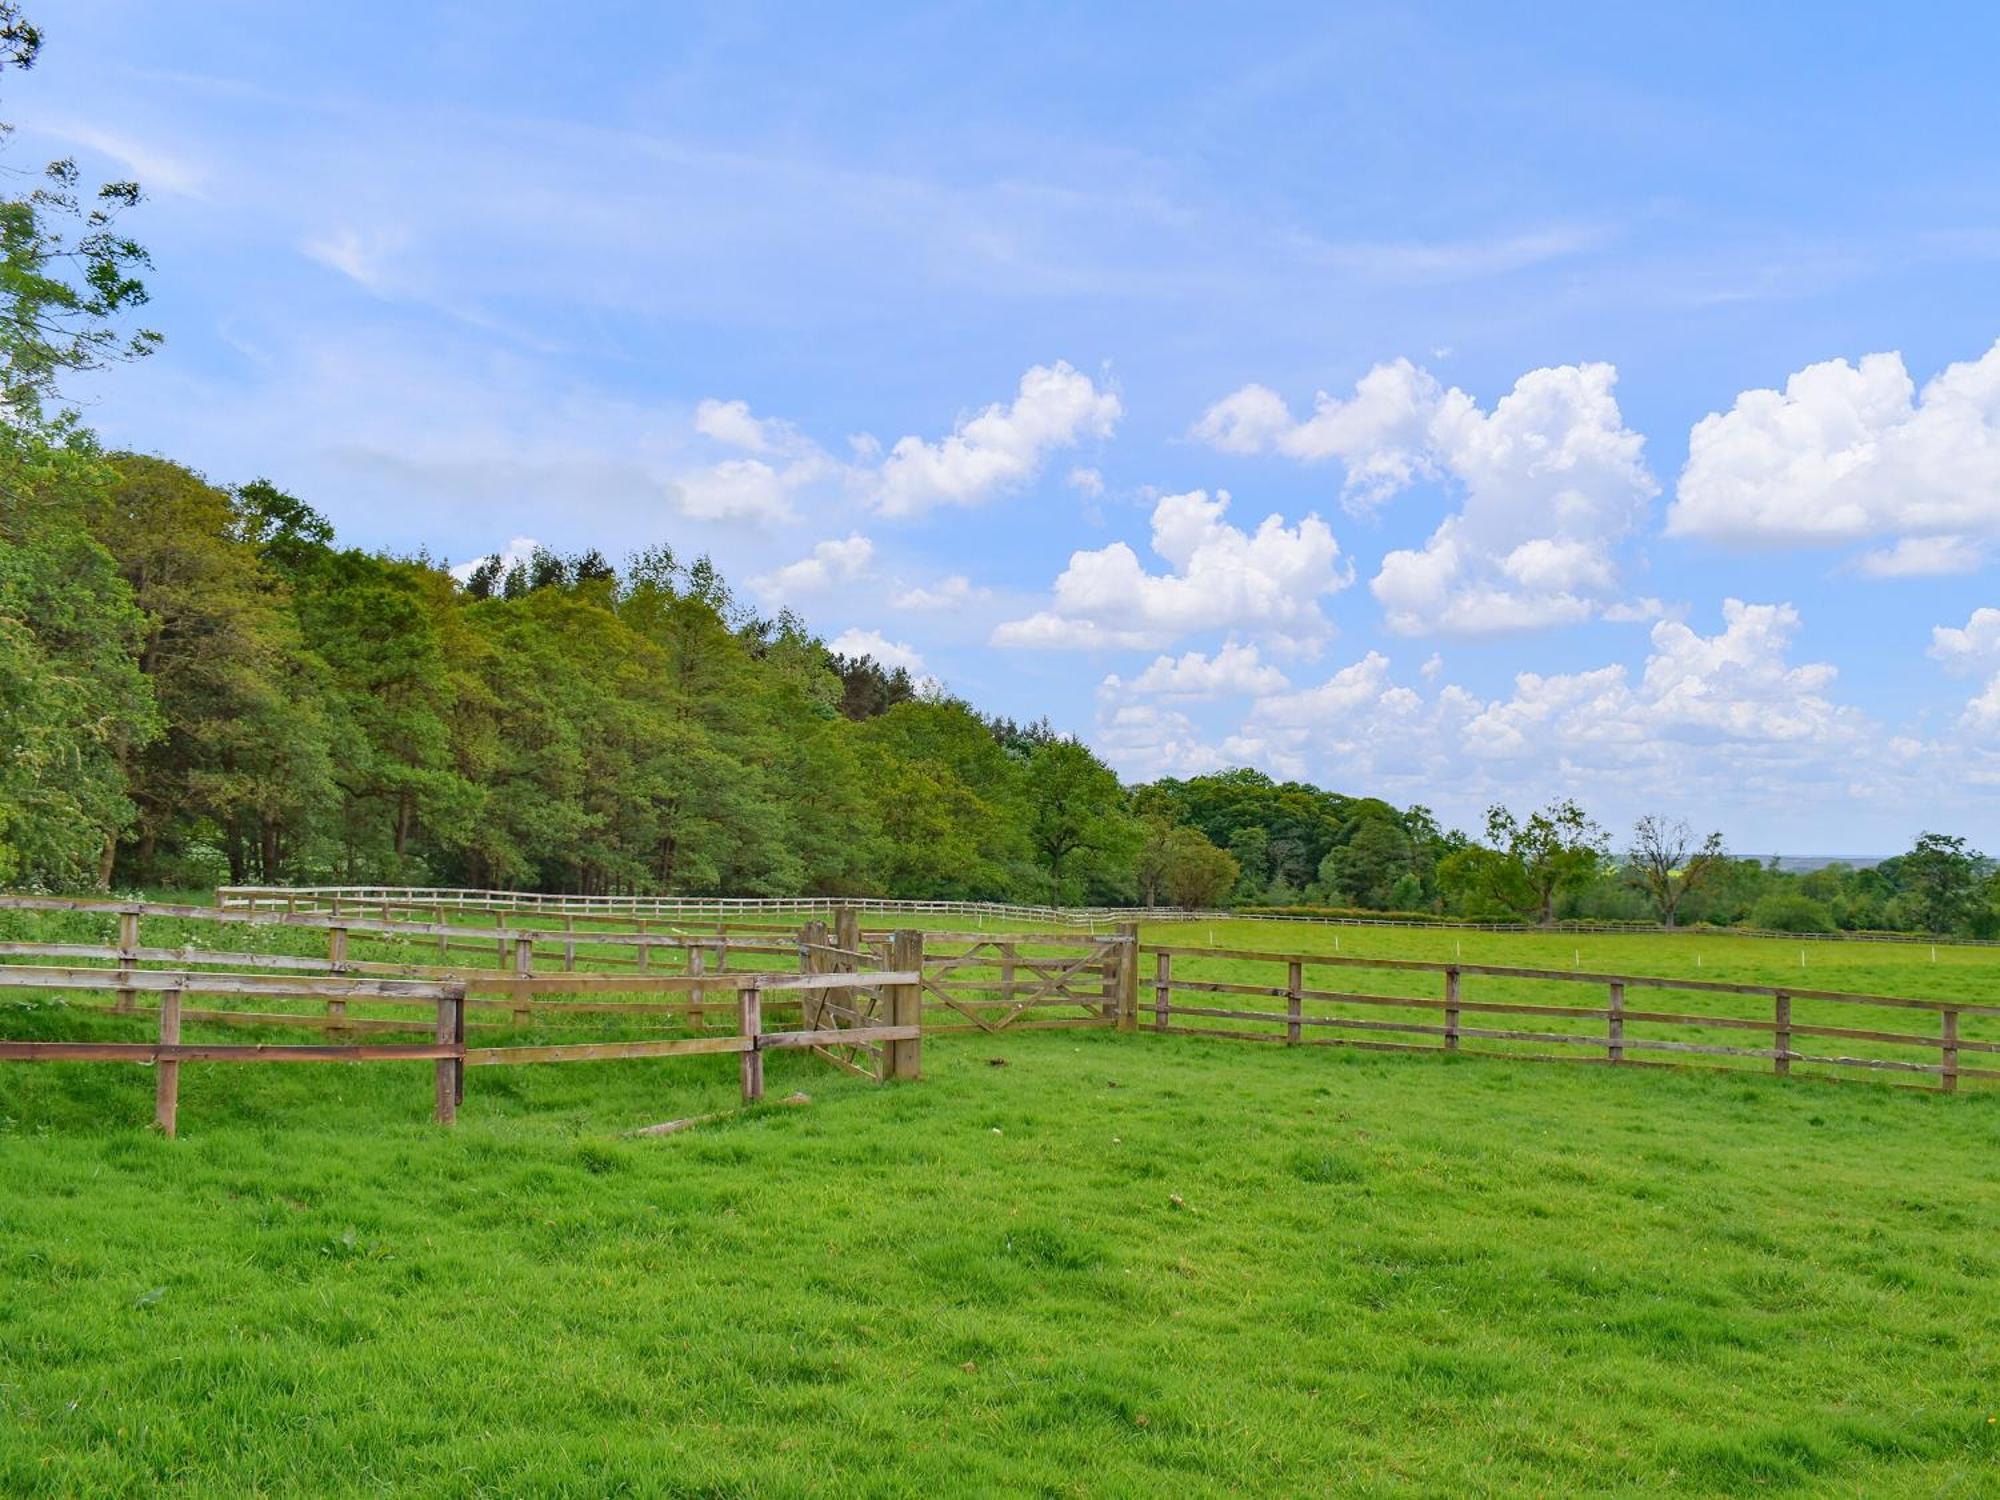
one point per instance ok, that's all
(861, 998)
(1438, 1021)
(511, 993)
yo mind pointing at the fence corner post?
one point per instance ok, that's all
(750, 1026)
(904, 1002)
(1128, 976)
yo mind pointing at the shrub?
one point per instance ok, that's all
(1267, 910)
(1787, 911)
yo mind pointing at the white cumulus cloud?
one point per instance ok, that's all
(1552, 482)
(1265, 582)
(1850, 453)
(732, 424)
(1234, 671)
(1000, 448)
(830, 562)
(744, 489)
(1975, 648)
(947, 593)
(859, 643)
(518, 550)
(1142, 741)
(1722, 715)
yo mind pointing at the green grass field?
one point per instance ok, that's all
(1115, 1265)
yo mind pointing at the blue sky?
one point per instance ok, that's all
(952, 327)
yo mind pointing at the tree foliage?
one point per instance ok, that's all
(199, 682)
(1667, 864)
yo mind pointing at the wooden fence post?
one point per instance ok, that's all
(336, 963)
(167, 1079)
(1614, 1041)
(904, 1003)
(569, 943)
(128, 955)
(1295, 981)
(1948, 1043)
(697, 1016)
(750, 1023)
(1128, 976)
(721, 954)
(640, 954)
(524, 956)
(1781, 1034)
(812, 960)
(846, 936)
(1163, 989)
(1107, 970)
(450, 1028)
(1451, 1010)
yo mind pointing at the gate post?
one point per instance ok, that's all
(1128, 976)
(812, 939)
(846, 935)
(905, 1003)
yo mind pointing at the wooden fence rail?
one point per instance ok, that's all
(862, 997)
(126, 970)
(740, 910)
(1440, 1022)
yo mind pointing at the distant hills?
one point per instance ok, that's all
(1805, 864)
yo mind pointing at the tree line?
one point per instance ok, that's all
(199, 683)
(1558, 864)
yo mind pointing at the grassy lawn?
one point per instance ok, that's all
(1116, 1265)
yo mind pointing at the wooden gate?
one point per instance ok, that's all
(992, 982)
(843, 950)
